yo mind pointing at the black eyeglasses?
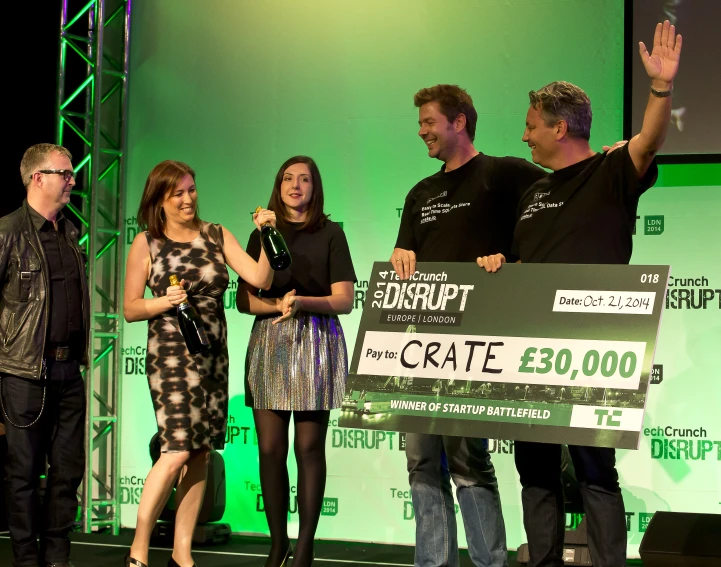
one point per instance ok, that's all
(67, 174)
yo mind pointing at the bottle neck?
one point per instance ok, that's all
(173, 280)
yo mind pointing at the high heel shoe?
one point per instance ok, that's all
(288, 553)
(173, 563)
(284, 561)
(132, 562)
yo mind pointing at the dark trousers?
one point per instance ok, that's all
(56, 438)
(539, 467)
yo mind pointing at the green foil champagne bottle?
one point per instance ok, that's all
(275, 247)
(191, 325)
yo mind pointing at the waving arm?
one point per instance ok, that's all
(661, 66)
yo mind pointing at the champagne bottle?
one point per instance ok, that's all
(191, 325)
(275, 248)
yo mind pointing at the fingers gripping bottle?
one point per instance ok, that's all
(275, 248)
(191, 325)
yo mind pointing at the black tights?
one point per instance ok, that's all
(310, 432)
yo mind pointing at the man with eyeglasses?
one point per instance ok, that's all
(44, 324)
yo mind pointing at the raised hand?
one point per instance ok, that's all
(662, 63)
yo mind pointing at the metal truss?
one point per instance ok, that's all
(91, 122)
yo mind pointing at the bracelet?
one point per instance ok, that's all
(661, 94)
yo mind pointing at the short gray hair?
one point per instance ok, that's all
(564, 101)
(35, 156)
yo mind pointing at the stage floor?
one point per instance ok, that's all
(90, 550)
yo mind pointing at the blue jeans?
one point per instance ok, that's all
(469, 464)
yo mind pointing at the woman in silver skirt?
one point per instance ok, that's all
(297, 362)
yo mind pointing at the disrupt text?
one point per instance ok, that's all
(423, 296)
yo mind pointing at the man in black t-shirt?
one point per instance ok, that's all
(583, 213)
(468, 207)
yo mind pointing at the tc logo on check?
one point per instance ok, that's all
(605, 417)
(608, 416)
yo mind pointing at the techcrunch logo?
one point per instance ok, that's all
(359, 294)
(609, 416)
(421, 296)
(242, 434)
(134, 359)
(131, 229)
(330, 505)
(247, 435)
(229, 295)
(495, 446)
(692, 293)
(574, 519)
(409, 302)
(364, 439)
(674, 444)
(131, 488)
(652, 225)
(603, 417)
(404, 494)
(500, 446)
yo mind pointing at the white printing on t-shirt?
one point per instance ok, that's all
(539, 204)
(430, 213)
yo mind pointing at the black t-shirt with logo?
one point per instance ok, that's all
(468, 212)
(583, 213)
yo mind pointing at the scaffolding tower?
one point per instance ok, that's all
(91, 122)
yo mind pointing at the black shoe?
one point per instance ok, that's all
(287, 556)
(284, 561)
(288, 553)
(173, 563)
(131, 562)
(59, 564)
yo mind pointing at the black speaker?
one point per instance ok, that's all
(680, 539)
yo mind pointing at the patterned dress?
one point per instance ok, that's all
(189, 392)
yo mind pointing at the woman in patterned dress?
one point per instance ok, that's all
(297, 361)
(189, 392)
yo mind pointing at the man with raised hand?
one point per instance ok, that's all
(453, 216)
(583, 213)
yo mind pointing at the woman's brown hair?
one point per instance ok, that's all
(316, 217)
(163, 179)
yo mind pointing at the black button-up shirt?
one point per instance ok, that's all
(65, 326)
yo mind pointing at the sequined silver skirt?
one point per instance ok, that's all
(300, 364)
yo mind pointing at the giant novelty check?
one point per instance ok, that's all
(553, 353)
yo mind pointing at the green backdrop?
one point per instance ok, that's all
(234, 87)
